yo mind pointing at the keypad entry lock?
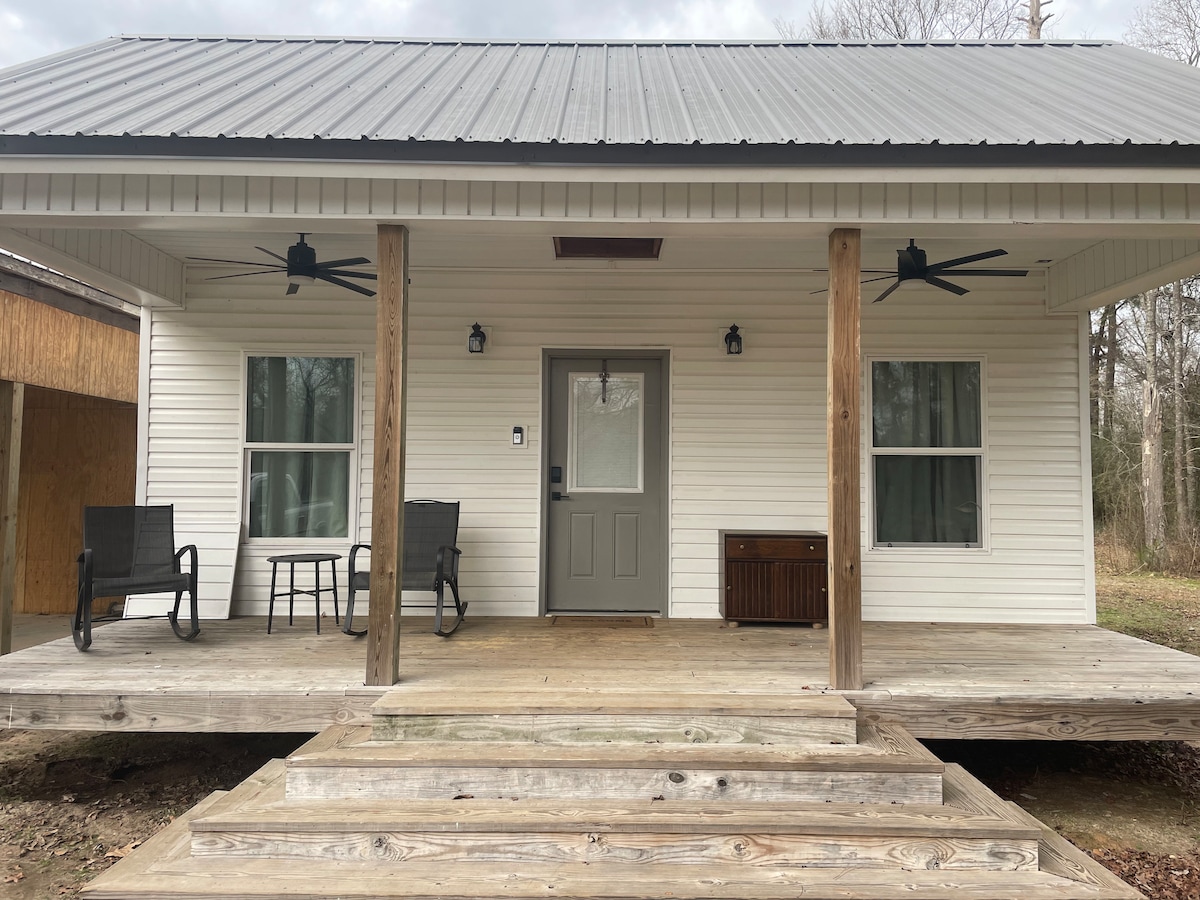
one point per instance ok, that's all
(556, 477)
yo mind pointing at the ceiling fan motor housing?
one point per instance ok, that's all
(911, 262)
(302, 260)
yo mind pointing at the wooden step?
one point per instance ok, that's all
(886, 766)
(640, 833)
(426, 715)
(289, 879)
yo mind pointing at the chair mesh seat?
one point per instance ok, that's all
(143, 584)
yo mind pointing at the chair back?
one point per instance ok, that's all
(428, 526)
(130, 541)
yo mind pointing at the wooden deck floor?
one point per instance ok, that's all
(948, 681)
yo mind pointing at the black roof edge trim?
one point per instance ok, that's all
(781, 155)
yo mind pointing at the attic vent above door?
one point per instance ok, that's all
(606, 248)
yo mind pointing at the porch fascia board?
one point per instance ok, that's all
(1115, 269)
(358, 200)
(113, 260)
(194, 166)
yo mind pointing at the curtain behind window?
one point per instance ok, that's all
(926, 498)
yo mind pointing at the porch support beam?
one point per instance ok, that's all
(387, 498)
(844, 386)
(12, 402)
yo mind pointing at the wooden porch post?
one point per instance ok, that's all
(387, 496)
(844, 377)
(12, 402)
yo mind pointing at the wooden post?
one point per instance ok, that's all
(12, 402)
(844, 385)
(387, 496)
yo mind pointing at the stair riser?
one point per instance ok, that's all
(877, 852)
(779, 730)
(330, 782)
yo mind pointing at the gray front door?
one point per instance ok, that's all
(606, 540)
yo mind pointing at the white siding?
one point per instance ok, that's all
(747, 433)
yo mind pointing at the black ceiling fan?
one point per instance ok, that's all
(912, 265)
(301, 267)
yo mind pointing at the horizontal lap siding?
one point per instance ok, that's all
(747, 434)
(1034, 567)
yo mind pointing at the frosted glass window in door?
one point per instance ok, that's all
(606, 436)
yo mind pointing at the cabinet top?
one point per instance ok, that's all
(741, 533)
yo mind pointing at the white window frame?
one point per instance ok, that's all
(572, 447)
(980, 453)
(248, 447)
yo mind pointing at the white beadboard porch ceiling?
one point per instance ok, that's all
(509, 249)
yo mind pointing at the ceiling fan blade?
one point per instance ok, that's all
(235, 262)
(990, 273)
(244, 274)
(945, 285)
(891, 271)
(346, 284)
(292, 288)
(867, 281)
(338, 263)
(963, 260)
(886, 293)
(282, 259)
(347, 274)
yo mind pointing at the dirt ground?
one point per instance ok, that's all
(72, 804)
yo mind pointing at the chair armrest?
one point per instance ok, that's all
(354, 555)
(85, 567)
(193, 560)
(441, 559)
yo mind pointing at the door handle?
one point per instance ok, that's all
(558, 495)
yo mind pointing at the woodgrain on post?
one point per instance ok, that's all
(387, 517)
(12, 403)
(844, 377)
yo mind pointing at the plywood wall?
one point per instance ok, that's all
(51, 348)
(75, 451)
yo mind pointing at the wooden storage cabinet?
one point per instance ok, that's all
(774, 577)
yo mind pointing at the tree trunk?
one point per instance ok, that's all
(1183, 520)
(1110, 370)
(1037, 19)
(1153, 513)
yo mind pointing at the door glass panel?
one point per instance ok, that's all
(606, 433)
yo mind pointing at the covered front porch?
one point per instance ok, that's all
(1072, 682)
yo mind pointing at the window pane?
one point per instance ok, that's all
(606, 433)
(927, 500)
(299, 494)
(925, 404)
(300, 400)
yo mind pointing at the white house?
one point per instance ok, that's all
(715, 173)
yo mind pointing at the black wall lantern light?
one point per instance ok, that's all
(476, 339)
(733, 341)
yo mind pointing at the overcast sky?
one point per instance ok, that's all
(33, 28)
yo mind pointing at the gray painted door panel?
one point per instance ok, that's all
(606, 544)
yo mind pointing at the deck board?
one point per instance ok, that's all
(969, 681)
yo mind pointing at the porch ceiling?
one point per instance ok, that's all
(518, 248)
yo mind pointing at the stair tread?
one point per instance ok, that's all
(669, 816)
(441, 703)
(265, 878)
(880, 748)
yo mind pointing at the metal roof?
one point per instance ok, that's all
(621, 93)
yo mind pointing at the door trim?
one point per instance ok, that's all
(548, 355)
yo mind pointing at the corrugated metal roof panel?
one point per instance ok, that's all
(1086, 93)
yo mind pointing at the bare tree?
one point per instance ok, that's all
(1037, 18)
(1169, 28)
(909, 20)
(1153, 512)
(1182, 513)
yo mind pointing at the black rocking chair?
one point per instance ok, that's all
(131, 550)
(430, 561)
